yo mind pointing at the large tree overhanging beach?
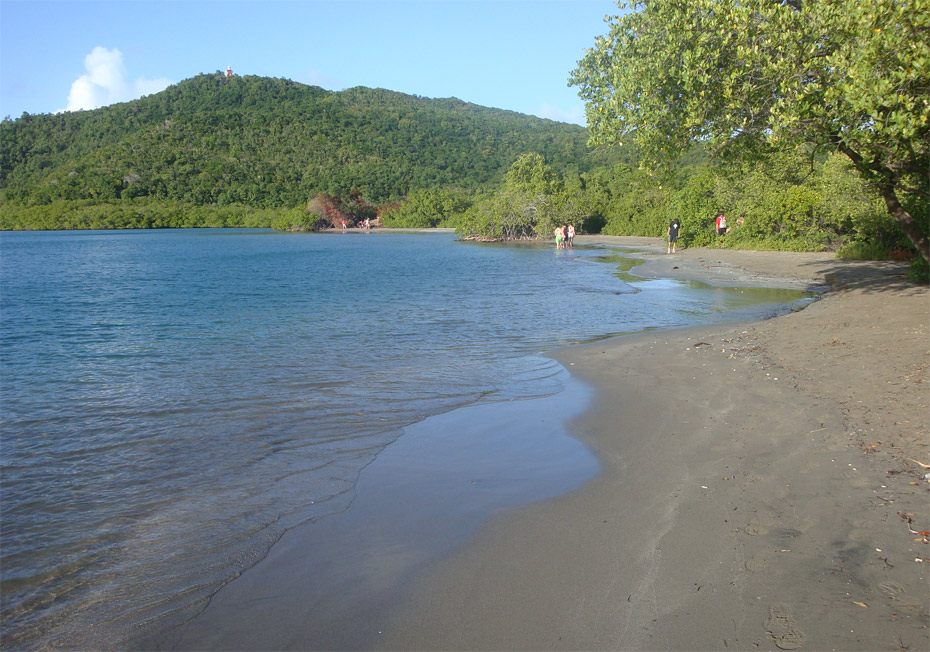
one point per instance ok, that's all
(749, 78)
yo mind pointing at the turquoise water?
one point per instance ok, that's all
(173, 401)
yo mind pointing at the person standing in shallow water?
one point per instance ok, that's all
(674, 228)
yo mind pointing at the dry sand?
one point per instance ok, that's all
(763, 485)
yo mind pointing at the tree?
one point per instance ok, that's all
(748, 77)
(532, 201)
(328, 211)
(530, 173)
(427, 208)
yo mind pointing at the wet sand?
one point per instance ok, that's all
(763, 485)
(326, 584)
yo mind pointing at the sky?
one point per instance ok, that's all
(507, 54)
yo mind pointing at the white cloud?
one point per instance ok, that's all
(574, 115)
(105, 82)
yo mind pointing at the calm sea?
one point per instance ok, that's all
(173, 401)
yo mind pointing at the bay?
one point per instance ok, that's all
(173, 402)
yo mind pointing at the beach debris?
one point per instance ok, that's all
(861, 604)
(907, 517)
(911, 459)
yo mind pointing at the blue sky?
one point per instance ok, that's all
(508, 54)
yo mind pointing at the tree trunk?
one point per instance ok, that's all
(887, 184)
(904, 219)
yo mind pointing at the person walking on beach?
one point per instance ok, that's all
(558, 237)
(571, 235)
(721, 223)
(674, 227)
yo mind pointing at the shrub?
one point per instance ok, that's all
(920, 271)
(857, 250)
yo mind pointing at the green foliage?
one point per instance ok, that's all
(726, 73)
(856, 209)
(858, 250)
(505, 215)
(920, 271)
(270, 143)
(787, 201)
(697, 200)
(530, 174)
(298, 219)
(531, 203)
(639, 209)
(428, 208)
(137, 214)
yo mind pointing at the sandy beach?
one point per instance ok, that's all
(763, 485)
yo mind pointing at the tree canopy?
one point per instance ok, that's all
(530, 203)
(751, 77)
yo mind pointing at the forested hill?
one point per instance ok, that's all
(269, 142)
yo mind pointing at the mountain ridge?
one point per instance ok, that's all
(272, 142)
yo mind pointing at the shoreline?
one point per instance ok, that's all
(753, 481)
(325, 582)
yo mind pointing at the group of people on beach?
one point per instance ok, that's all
(364, 224)
(564, 236)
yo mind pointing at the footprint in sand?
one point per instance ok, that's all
(782, 627)
(758, 562)
(891, 589)
(758, 525)
(897, 594)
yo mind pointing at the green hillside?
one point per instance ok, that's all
(270, 143)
